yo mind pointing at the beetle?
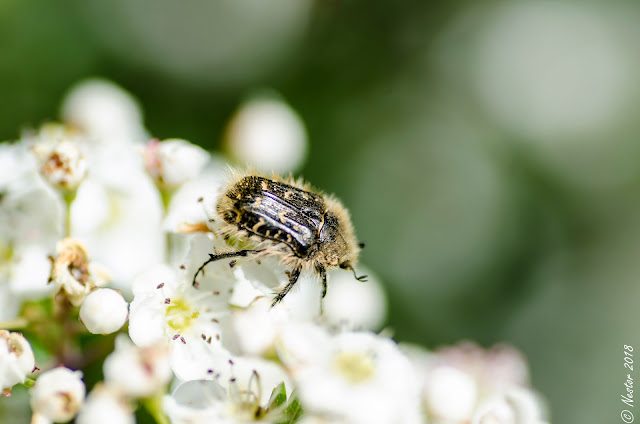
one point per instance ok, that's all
(305, 228)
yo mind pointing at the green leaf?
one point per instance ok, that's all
(292, 412)
(278, 397)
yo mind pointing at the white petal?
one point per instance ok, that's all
(147, 320)
(186, 208)
(105, 405)
(254, 328)
(195, 359)
(147, 281)
(118, 215)
(30, 272)
(352, 303)
(137, 372)
(451, 394)
(195, 402)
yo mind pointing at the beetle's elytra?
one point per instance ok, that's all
(304, 228)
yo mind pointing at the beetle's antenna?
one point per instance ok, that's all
(348, 266)
(361, 278)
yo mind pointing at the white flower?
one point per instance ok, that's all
(495, 369)
(267, 134)
(58, 394)
(465, 383)
(173, 162)
(105, 405)
(103, 111)
(61, 160)
(255, 325)
(73, 274)
(104, 311)
(30, 225)
(118, 198)
(240, 393)
(16, 359)
(137, 372)
(515, 406)
(117, 213)
(353, 304)
(167, 309)
(360, 377)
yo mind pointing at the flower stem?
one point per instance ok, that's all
(68, 196)
(14, 324)
(153, 405)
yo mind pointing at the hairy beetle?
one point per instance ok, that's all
(304, 228)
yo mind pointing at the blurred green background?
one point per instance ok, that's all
(489, 152)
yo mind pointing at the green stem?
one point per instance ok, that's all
(68, 196)
(153, 405)
(14, 324)
(166, 194)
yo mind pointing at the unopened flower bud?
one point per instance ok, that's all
(268, 135)
(104, 110)
(105, 405)
(104, 311)
(138, 372)
(73, 274)
(173, 162)
(16, 359)
(58, 394)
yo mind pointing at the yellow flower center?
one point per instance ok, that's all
(248, 410)
(355, 367)
(179, 315)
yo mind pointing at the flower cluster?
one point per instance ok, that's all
(91, 202)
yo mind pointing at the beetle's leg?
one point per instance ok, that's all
(213, 258)
(323, 275)
(293, 278)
